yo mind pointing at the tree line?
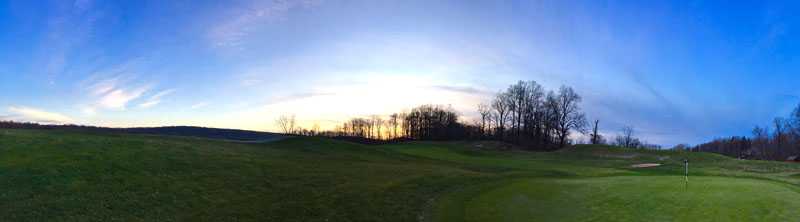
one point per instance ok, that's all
(779, 140)
(425, 122)
(525, 114)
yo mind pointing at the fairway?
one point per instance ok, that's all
(650, 198)
(54, 175)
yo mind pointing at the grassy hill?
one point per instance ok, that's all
(57, 175)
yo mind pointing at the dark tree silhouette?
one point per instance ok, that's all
(626, 138)
(596, 138)
(286, 124)
(501, 107)
(569, 115)
(485, 113)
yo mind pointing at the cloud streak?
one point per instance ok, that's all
(156, 99)
(232, 33)
(116, 93)
(71, 27)
(199, 105)
(118, 99)
(463, 89)
(37, 115)
(299, 96)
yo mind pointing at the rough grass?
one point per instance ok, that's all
(68, 176)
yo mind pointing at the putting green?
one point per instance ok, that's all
(629, 198)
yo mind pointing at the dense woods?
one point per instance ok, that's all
(780, 140)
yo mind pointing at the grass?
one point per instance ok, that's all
(633, 198)
(71, 176)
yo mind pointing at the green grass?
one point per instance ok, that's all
(633, 198)
(72, 176)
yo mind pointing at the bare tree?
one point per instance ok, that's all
(596, 137)
(569, 115)
(485, 113)
(394, 122)
(550, 118)
(626, 138)
(524, 99)
(761, 142)
(369, 127)
(404, 125)
(315, 129)
(517, 95)
(501, 108)
(377, 122)
(781, 137)
(286, 124)
(433, 122)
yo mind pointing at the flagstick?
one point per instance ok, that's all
(686, 163)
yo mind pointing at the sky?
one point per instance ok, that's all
(676, 71)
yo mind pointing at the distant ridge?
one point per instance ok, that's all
(187, 131)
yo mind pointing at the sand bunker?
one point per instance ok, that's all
(645, 165)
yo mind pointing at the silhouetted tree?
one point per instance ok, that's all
(394, 123)
(569, 115)
(596, 138)
(315, 129)
(286, 124)
(485, 113)
(433, 122)
(501, 108)
(626, 138)
(377, 122)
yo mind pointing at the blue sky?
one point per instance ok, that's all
(677, 71)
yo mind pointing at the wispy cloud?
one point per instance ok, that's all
(68, 28)
(298, 96)
(117, 92)
(37, 115)
(231, 33)
(199, 105)
(156, 99)
(463, 89)
(119, 98)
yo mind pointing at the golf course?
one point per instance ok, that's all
(59, 175)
